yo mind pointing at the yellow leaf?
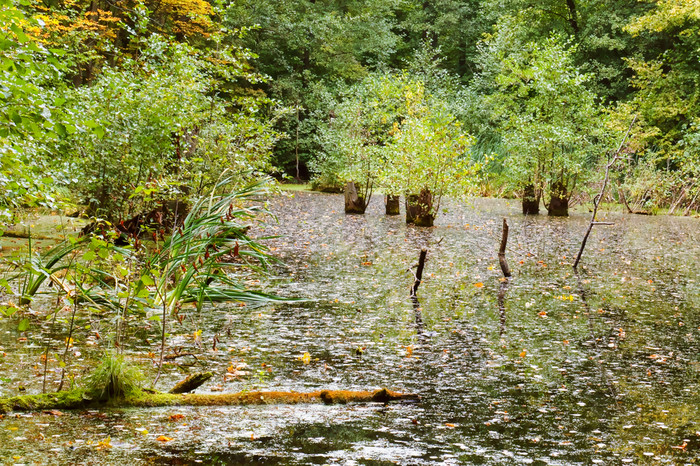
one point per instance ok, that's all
(479, 285)
(163, 438)
(305, 358)
(523, 353)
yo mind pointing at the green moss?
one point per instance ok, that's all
(62, 400)
(80, 399)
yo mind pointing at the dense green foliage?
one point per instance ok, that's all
(124, 105)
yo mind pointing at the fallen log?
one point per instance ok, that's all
(81, 399)
(191, 382)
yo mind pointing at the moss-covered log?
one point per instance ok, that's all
(79, 399)
(191, 382)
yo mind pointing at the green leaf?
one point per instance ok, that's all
(16, 117)
(23, 325)
(4, 284)
(146, 280)
(22, 38)
(89, 256)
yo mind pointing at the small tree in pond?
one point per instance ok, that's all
(362, 124)
(429, 158)
(549, 121)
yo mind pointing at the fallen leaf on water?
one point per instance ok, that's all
(479, 285)
(448, 424)
(176, 417)
(163, 438)
(523, 353)
(103, 444)
(305, 358)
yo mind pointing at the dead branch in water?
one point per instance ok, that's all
(599, 198)
(502, 251)
(419, 271)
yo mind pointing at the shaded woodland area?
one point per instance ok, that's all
(120, 107)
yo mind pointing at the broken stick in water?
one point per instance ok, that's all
(599, 198)
(419, 271)
(502, 251)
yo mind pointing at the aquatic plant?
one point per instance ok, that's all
(114, 377)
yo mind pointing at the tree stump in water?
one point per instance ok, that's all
(531, 201)
(354, 204)
(419, 209)
(559, 200)
(392, 204)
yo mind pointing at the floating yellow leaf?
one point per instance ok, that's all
(479, 285)
(103, 444)
(305, 358)
(523, 353)
(163, 438)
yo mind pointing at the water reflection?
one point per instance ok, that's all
(545, 368)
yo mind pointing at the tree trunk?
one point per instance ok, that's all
(354, 204)
(419, 209)
(559, 200)
(392, 204)
(573, 16)
(531, 201)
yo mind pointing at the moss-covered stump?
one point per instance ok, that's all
(79, 399)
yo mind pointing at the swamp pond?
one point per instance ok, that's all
(548, 368)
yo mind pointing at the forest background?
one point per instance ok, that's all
(121, 105)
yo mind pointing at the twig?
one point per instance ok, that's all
(599, 198)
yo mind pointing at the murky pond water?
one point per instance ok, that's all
(547, 368)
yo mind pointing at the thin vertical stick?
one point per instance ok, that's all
(599, 198)
(502, 251)
(419, 271)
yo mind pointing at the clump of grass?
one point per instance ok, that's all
(114, 378)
